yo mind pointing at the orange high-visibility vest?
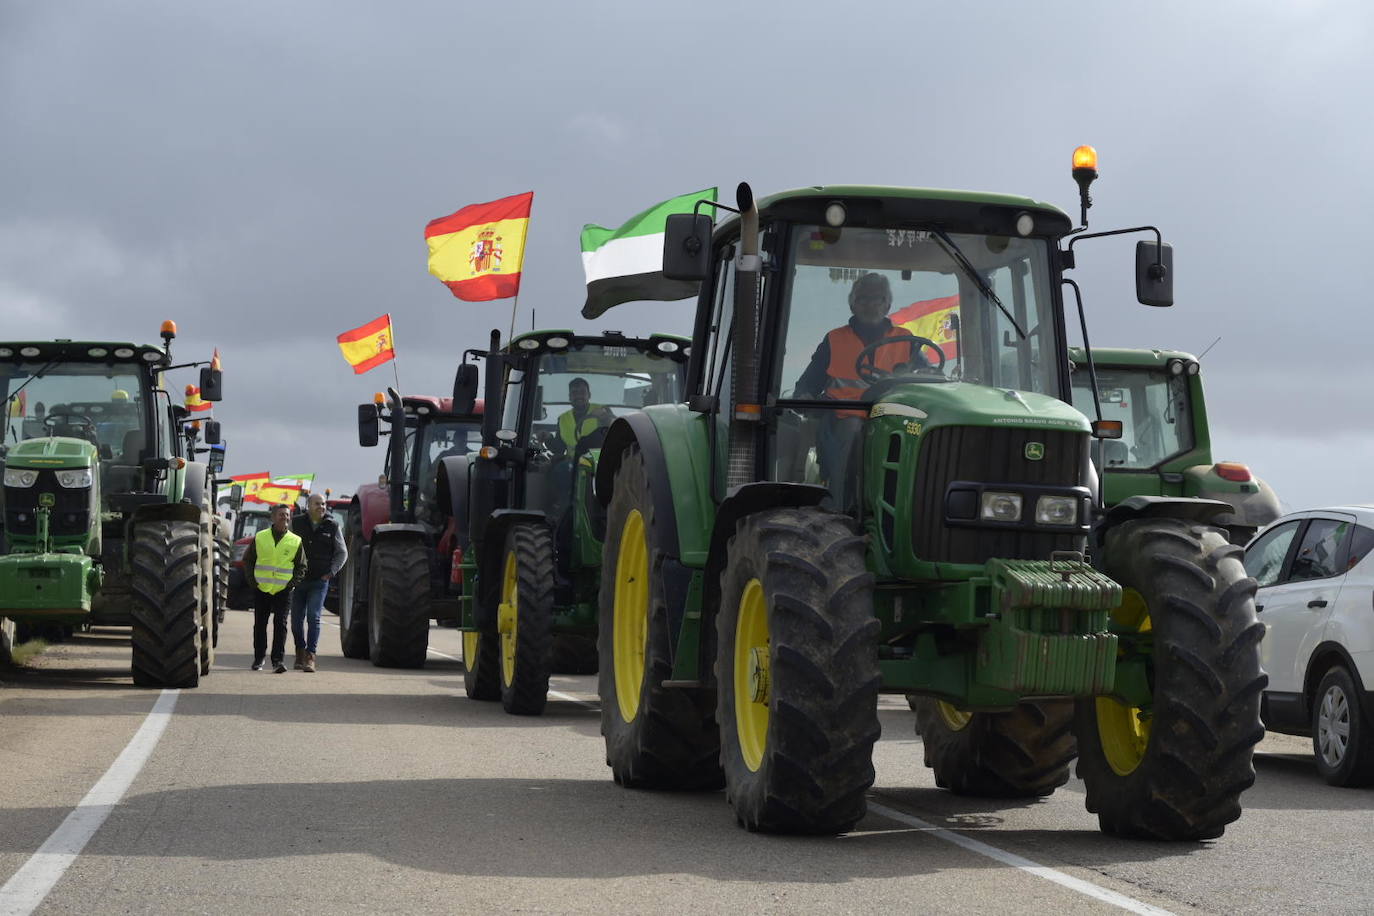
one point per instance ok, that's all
(845, 347)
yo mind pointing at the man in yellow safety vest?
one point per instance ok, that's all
(274, 562)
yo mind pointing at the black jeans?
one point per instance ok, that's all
(278, 607)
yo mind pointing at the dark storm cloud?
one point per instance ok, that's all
(262, 172)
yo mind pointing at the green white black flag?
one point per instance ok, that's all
(626, 264)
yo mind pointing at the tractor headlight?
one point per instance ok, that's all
(1056, 510)
(19, 477)
(1001, 507)
(80, 477)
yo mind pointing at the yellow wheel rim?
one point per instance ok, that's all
(753, 688)
(1125, 730)
(630, 624)
(471, 647)
(955, 719)
(507, 619)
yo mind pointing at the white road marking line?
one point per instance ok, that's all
(1087, 888)
(28, 887)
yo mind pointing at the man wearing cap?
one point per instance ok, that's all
(325, 554)
(274, 562)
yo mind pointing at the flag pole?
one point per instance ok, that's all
(395, 358)
(515, 304)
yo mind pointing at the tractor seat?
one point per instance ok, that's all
(123, 473)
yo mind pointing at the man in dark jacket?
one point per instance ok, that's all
(322, 544)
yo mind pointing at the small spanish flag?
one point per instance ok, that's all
(368, 346)
(194, 402)
(275, 494)
(251, 484)
(478, 251)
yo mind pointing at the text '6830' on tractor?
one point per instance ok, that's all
(842, 508)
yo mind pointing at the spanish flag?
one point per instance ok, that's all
(477, 252)
(275, 494)
(194, 402)
(936, 320)
(252, 483)
(368, 346)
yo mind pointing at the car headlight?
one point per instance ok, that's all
(19, 477)
(1057, 510)
(1001, 507)
(80, 477)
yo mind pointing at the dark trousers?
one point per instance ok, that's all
(277, 607)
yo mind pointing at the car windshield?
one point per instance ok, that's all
(100, 403)
(869, 282)
(1152, 406)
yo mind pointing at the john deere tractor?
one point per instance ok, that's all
(531, 576)
(841, 510)
(106, 521)
(1166, 444)
(401, 543)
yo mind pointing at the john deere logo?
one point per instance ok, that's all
(1035, 451)
(47, 499)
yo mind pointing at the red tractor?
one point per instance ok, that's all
(401, 544)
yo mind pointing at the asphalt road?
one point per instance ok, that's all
(358, 789)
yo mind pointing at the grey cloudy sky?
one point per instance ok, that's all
(262, 172)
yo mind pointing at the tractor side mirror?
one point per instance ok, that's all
(687, 246)
(367, 425)
(210, 432)
(1154, 273)
(215, 459)
(211, 385)
(465, 389)
(236, 496)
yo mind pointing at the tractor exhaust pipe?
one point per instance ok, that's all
(746, 410)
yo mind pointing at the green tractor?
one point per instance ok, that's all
(106, 521)
(1166, 445)
(777, 555)
(531, 575)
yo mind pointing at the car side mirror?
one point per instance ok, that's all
(687, 246)
(1154, 273)
(210, 432)
(367, 425)
(465, 389)
(211, 385)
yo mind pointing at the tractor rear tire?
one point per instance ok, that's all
(481, 664)
(207, 593)
(797, 672)
(166, 604)
(222, 561)
(525, 619)
(574, 654)
(398, 609)
(353, 639)
(1025, 752)
(656, 737)
(1177, 770)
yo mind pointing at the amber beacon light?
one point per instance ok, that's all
(1085, 173)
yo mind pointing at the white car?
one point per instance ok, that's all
(1316, 601)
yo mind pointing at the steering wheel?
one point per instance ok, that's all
(83, 424)
(867, 369)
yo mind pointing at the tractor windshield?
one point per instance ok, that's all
(1152, 406)
(850, 287)
(98, 402)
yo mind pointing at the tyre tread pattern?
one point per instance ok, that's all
(399, 593)
(166, 608)
(1025, 752)
(528, 691)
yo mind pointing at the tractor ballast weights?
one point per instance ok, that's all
(796, 536)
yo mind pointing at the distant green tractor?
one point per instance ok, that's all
(1166, 444)
(106, 521)
(533, 569)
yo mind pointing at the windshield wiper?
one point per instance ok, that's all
(954, 252)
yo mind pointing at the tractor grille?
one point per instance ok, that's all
(70, 513)
(989, 455)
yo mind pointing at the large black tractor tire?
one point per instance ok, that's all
(222, 561)
(166, 603)
(207, 593)
(656, 737)
(797, 672)
(525, 619)
(481, 664)
(1342, 738)
(1177, 770)
(353, 638)
(574, 654)
(1022, 753)
(398, 609)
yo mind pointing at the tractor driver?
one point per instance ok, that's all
(574, 425)
(831, 374)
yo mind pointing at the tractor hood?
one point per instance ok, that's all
(964, 404)
(57, 452)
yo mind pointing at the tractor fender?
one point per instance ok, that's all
(1134, 507)
(374, 508)
(197, 479)
(489, 561)
(452, 492)
(1255, 504)
(676, 451)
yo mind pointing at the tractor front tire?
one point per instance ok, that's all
(222, 560)
(481, 663)
(398, 609)
(1022, 753)
(656, 737)
(353, 639)
(207, 592)
(166, 603)
(1176, 770)
(525, 619)
(797, 672)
